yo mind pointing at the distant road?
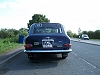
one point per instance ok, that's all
(95, 42)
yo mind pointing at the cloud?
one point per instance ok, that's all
(3, 5)
(71, 13)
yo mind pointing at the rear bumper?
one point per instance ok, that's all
(85, 38)
(48, 51)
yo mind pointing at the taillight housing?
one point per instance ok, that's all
(28, 46)
(67, 46)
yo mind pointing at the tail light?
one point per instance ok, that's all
(28, 46)
(67, 46)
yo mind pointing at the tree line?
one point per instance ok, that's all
(12, 35)
(92, 34)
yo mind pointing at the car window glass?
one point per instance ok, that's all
(47, 30)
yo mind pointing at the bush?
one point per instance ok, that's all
(6, 45)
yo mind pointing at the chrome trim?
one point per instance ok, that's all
(47, 51)
(47, 37)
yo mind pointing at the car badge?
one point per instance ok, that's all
(36, 43)
(47, 37)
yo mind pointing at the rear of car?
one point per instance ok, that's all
(47, 38)
(85, 37)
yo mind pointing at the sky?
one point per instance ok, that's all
(73, 14)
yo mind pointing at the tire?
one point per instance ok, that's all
(64, 55)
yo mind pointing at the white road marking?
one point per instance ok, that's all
(86, 61)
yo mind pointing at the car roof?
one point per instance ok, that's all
(55, 25)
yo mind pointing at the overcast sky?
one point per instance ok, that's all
(71, 13)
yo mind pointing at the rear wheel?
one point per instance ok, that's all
(64, 55)
(30, 56)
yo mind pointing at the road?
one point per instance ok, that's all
(84, 60)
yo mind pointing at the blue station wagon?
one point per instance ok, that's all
(50, 38)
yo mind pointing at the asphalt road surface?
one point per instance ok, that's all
(84, 60)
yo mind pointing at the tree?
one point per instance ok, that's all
(3, 33)
(84, 32)
(70, 34)
(23, 31)
(97, 34)
(91, 34)
(75, 35)
(37, 18)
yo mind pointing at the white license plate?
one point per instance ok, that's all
(47, 43)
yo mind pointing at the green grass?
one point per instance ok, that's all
(7, 46)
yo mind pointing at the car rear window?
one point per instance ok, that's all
(47, 28)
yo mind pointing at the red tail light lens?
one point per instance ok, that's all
(28, 46)
(67, 45)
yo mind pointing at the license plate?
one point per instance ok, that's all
(47, 43)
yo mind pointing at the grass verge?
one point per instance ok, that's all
(7, 46)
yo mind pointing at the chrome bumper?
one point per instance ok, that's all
(48, 51)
